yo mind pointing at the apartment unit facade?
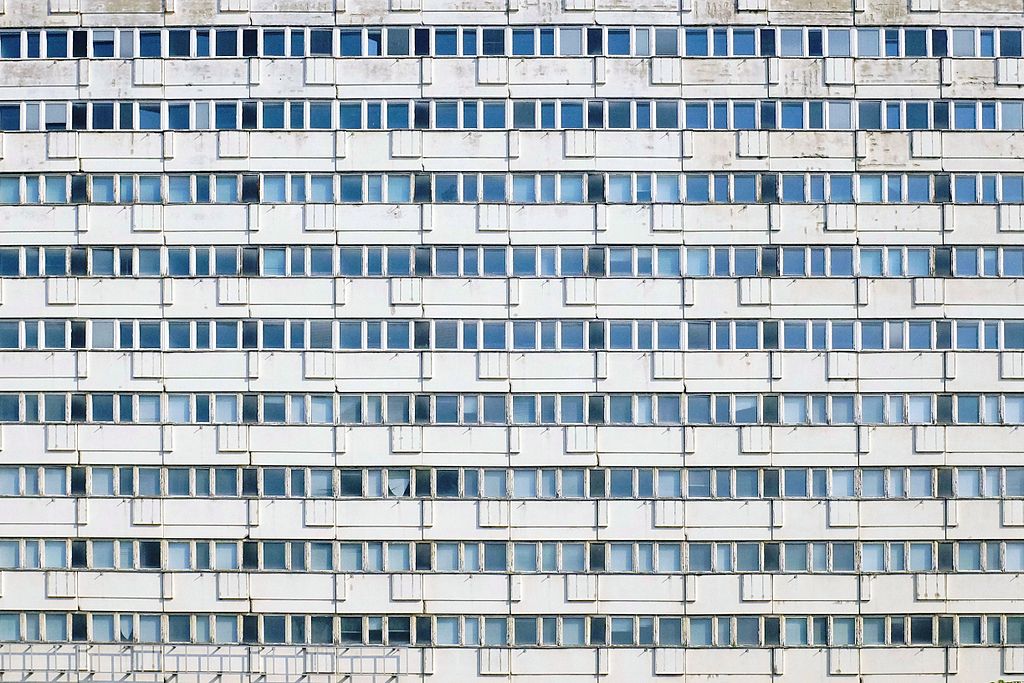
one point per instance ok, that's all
(511, 340)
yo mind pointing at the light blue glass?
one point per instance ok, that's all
(226, 186)
(274, 188)
(179, 189)
(56, 190)
(870, 188)
(321, 189)
(10, 190)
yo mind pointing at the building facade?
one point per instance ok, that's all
(511, 340)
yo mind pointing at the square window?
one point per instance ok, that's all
(149, 44)
(523, 43)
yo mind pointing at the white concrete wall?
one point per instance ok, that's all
(35, 517)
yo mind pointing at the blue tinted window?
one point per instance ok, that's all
(870, 115)
(696, 42)
(1013, 189)
(10, 117)
(469, 42)
(988, 115)
(351, 188)
(373, 43)
(321, 42)
(697, 188)
(494, 114)
(966, 189)
(351, 43)
(618, 41)
(320, 115)
(720, 115)
(720, 42)
(547, 41)
(892, 116)
(298, 43)
(351, 116)
(398, 115)
(743, 42)
(226, 43)
(743, 115)
(102, 116)
(915, 43)
(744, 189)
(666, 115)
(792, 115)
(892, 42)
(572, 114)
(445, 42)
(10, 45)
(446, 114)
(1009, 43)
(871, 188)
(842, 188)
(917, 115)
(917, 189)
(273, 43)
(965, 116)
(149, 116)
(149, 44)
(494, 188)
(446, 188)
(697, 115)
(56, 44)
(177, 116)
(817, 189)
(225, 116)
(523, 41)
(893, 188)
(493, 42)
(273, 115)
(792, 188)
(987, 42)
